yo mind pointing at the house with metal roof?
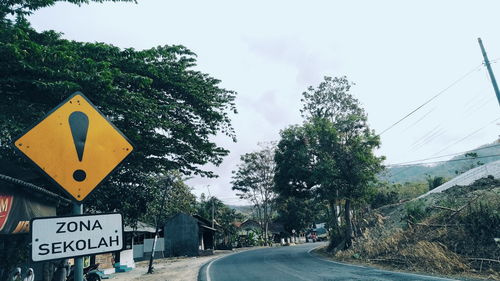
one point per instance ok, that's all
(186, 235)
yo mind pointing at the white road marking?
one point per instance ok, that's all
(207, 270)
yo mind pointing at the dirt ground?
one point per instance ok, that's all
(171, 269)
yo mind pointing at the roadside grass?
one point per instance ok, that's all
(450, 233)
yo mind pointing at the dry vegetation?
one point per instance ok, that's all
(450, 233)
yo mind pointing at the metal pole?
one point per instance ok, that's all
(158, 218)
(490, 71)
(211, 198)
(213, 216)
(213, 212)
(78, 271)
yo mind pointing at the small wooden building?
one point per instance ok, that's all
(187, 235)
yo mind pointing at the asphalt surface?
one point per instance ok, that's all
(290, 264)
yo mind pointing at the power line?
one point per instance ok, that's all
(409, 166)
(432, 98)
(426, 135)
(466, 137)
(436, 157)
(420, 119)
(436, 135)
(431, 135)
(452, 160)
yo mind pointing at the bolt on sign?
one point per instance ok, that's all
(75, 145)
(74, 236)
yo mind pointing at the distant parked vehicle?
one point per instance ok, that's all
(321, 234)
(317, 234)
(312, 236)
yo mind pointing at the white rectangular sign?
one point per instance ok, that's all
(66, 237)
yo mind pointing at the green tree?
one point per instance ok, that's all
(254, 179)
(169, 195)
(382, 198)
(224, 217)
(334, 149)
(433, 182)
(167, 109)
(297, 213)
(26, 7)
(469, 165)
(306, 166)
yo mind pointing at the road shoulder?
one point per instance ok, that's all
(173, 269)
(320, 253)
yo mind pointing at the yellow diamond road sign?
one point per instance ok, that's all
(75, 145)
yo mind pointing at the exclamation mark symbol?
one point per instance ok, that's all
(79, 124)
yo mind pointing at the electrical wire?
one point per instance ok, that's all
(476, 105)
(418, 121)
(432, 98)
(428, 140)
(451, 160)
(429, 136)
(426, 135)
(466, 137)
(447, 155)
(410, 166)
(432, 134)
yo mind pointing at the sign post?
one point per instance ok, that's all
(78, 274)
(77, 147)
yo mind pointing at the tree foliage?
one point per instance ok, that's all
(331, 154)
(254, 179)
(297, 213)
(26, 7)
(224, 216)
(382, 198)
(433, 182)
(169, 195)
(155, 97)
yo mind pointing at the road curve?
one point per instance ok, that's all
(293, 263)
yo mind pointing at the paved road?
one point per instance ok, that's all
(291, 264)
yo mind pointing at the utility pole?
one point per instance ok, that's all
(213, 215)
(167, 184)
(490, 71)
(213, 206)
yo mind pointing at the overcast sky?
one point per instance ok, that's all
(398, 53)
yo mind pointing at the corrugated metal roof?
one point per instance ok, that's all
(29, 187)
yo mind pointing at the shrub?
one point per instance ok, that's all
(434, 182)
(415, 211)
(382, 198)
(482, 222)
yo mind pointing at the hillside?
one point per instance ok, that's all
(245, 210)
(448, 169)
(448, 233)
